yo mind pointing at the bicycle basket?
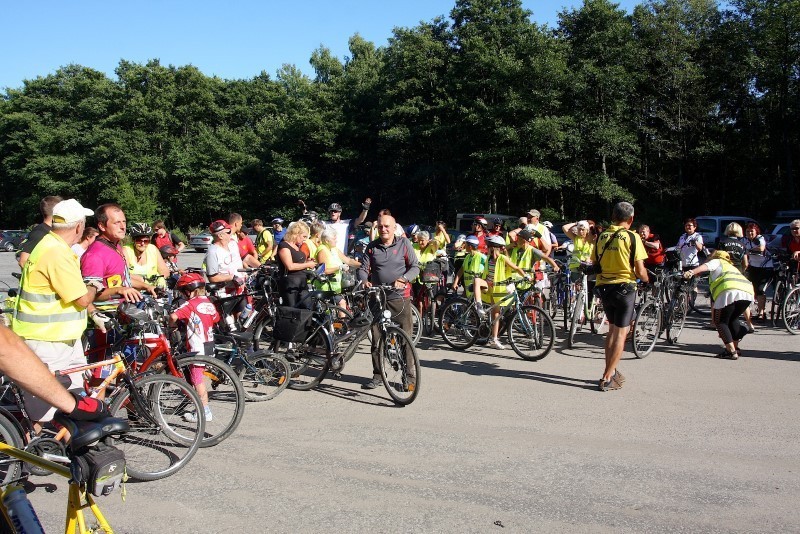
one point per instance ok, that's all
(431, 273)
(291, 324)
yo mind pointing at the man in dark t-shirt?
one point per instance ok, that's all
(46, 208)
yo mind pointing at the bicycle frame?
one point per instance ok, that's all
(75, 518)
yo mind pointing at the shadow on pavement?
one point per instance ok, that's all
(489, 369)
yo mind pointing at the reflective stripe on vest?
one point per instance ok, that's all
(730, 278)
(43, 316)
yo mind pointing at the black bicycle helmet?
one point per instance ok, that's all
(140, 229)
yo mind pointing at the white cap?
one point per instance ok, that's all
(70, 211)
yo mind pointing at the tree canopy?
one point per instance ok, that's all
(681, 106)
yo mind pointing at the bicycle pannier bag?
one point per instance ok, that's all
(291, 324)
(102, 468)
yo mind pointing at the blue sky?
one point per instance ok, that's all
(236, 39)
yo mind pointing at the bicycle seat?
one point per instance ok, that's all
(243, 337)
(319, 294)
(84, 433)
(214, 286)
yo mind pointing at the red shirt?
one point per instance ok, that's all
(246, 247)
(482, 243)
(199, 314)
(655, 256)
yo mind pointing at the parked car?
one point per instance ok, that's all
(200, 242)
(775, 235)
(11, 239)
(712, 227)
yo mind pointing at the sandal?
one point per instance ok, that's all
(609, 385)
(725, 355)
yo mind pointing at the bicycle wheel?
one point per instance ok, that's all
(700, 300)
(399, 364)
(531, 333)
(460, 324)
(599, 321)
(10, 468)
(416, 325)
(161, 440)
(310, 360)
(263, 376)
(225, 396)
(776, 308)
(427, 317)
(575, 320)
(551, 304)
(646, 328)
(678, 309)
(791, 311)
(566, 309)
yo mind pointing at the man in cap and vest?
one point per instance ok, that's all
(51, 310)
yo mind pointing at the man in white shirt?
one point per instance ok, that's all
(343, 227)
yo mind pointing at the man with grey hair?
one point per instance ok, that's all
(390, 260)
(620, 255)
(51, 310)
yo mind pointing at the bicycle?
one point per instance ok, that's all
(149, 348)
(529, 328)
(664, 308)
(585, 311)
(397, 353)
(263, 375)
(87, 438)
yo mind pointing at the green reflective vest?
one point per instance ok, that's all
(730, 278)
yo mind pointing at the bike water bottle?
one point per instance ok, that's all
(20, 511)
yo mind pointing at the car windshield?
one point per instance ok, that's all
(779, 229)
(706, 225)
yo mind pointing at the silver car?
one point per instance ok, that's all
(201, 242)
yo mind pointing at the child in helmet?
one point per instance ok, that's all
(199, 315)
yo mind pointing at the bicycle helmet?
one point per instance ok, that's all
(190, 282)
(473, 240)
(497, 221)
(335, 207)
(309, 217)
(168, 250)
(277, 220)
(461, 237)
(412, 229)
(548, 224)
(140, 229)
(495, 241)
(525, 234)
(483, 222)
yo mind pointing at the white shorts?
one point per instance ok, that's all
(56, 356)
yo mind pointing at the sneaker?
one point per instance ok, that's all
(610, 385)
(497, 344)
(191, 417)
(376, 382)
(481, 312)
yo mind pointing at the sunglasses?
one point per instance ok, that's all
(138, 239)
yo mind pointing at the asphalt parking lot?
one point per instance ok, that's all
(497, 444)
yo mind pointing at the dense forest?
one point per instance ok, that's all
(681, 106)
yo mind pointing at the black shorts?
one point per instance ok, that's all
(761, 277)
(619, 303)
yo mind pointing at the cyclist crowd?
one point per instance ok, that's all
(70, 271)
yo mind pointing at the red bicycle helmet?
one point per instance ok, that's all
(190, 282)
(168, 250)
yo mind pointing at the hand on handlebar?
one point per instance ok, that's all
(400, 283)
(129, 294)
(102, 321)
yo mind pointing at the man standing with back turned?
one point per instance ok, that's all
(620, 255)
